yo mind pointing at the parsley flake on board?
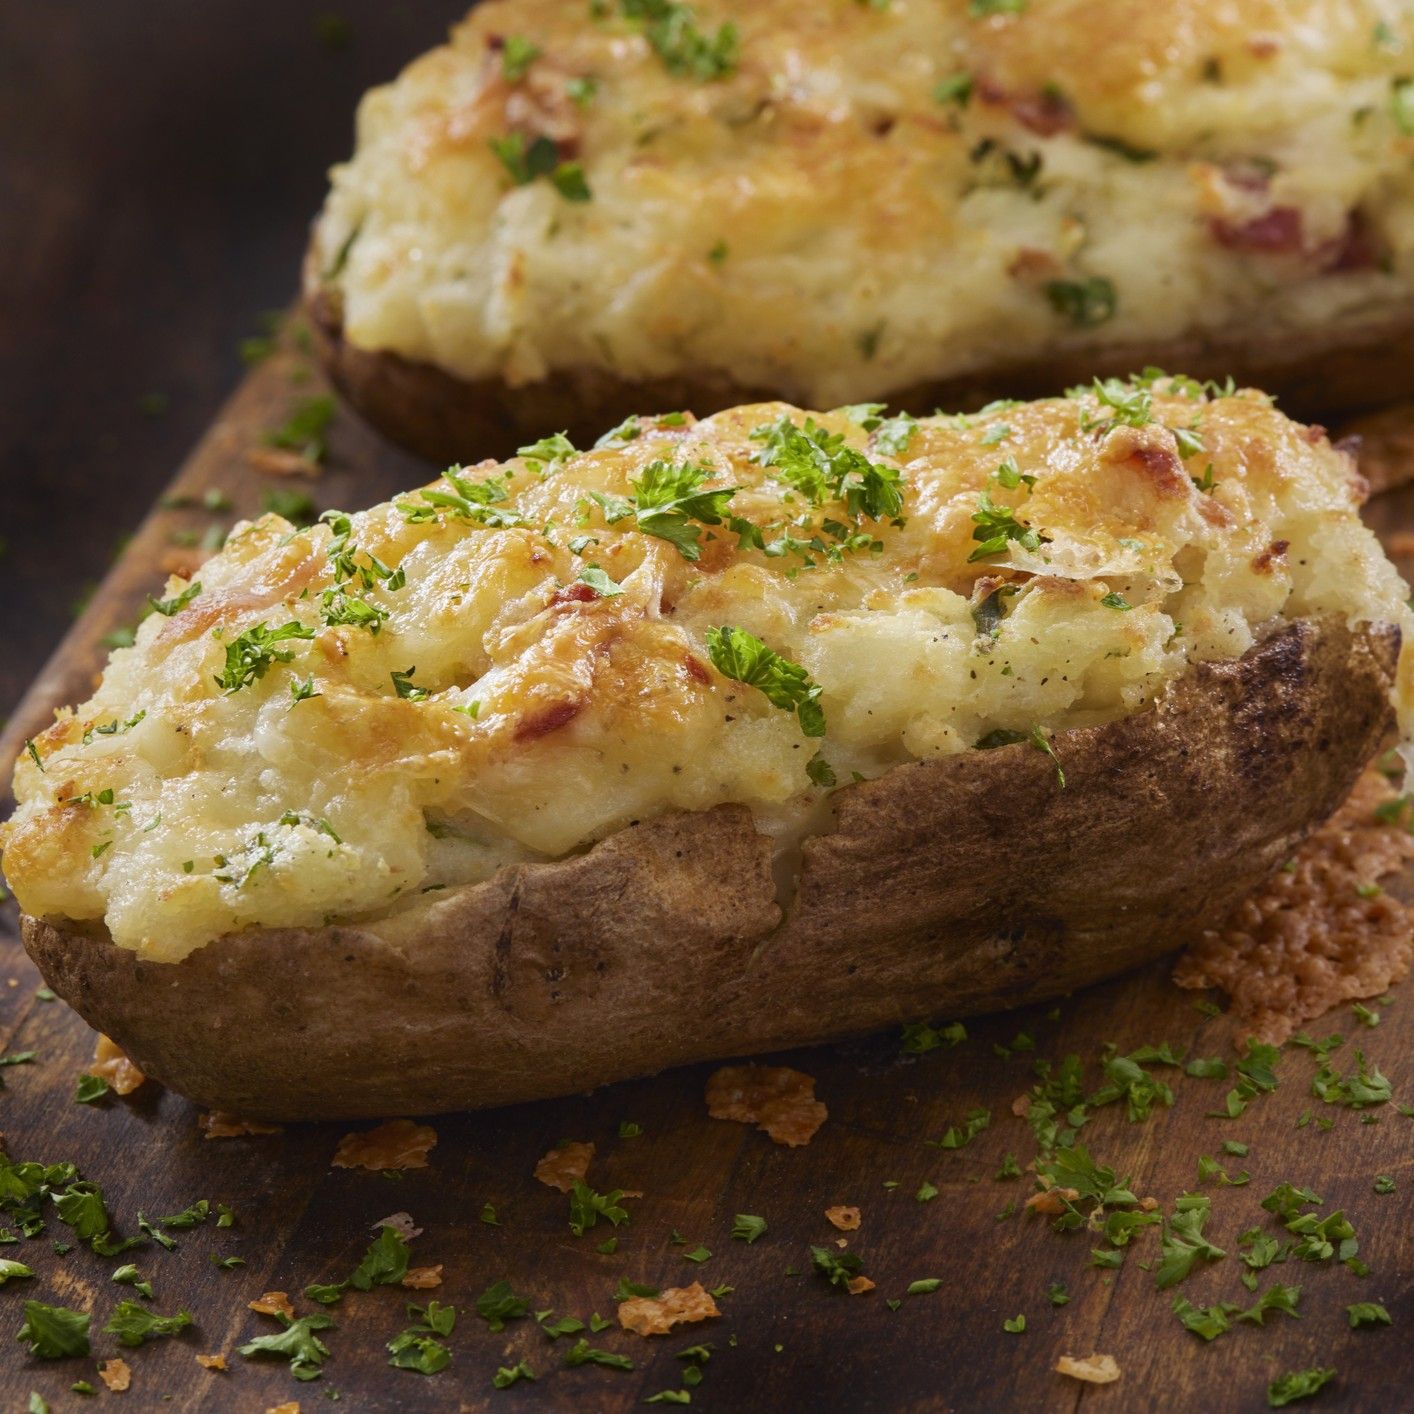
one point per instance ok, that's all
(296, 1343)
(306, 431)
(587, 1207)
(747, 1227)
(54, 1332)
(582, 1353)
(1297, 1384)
(499, 1304)
(134, 1324)
(1183, 1244)
(743, 657)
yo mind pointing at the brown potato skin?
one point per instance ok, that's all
(947, 887)
(446, 419)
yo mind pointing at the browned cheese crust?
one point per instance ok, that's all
(447, 419)
(948, 886)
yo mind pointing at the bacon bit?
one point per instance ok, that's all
(1052, 1201)
(546, 720)
(1264, 559)
(1276, 232)
(576, 593)
(111, 1063)
(1029, 263)
(1045, 113)
(846, 1219)
(857, 1286)
(562, 1168)
(774, 1098)
(401, 1223)
(278, 461)
(1308, 938)
(211, 1362)
(274, 1303)
(657, 1315)
(1093, 1369)
(116, 1375)
(396, 1144)
(423, 1278)
(220, 1125)
(696, 671)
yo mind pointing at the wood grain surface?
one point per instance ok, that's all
(786, 1339)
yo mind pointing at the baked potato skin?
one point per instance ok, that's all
(447, 419)
(949, 886)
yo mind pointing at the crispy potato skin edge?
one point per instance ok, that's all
(947, 887)
(446, 419)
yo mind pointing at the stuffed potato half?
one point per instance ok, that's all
(719, 737)
(573, 211)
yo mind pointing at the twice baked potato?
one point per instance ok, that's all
(720, 737)
(571, 211)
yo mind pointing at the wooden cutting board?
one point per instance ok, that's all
(785, 1339)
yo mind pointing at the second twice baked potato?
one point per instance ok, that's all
(576, 210)
(720, 737)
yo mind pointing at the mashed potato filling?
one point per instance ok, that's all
(840, 198)
(522, 658)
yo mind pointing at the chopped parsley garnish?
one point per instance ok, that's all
(742, 657)
(178, 602)
(134, 1324)
(403, 685)
(1401, 100)
(499, 1304)
(1083, 303)
(667, 501)
(13, 1270)
(1183, 1243)
(746, 1227)
(90, 1088)
(1115, 600)
(305, 431)
(1015, 1324)
(54, 1332)
(956, 88)
(838, 1268)
(507, 1375)
(958, 1136)
(599, 582)
(517, 55)
(919, 1037)
(817, 464)
(582, 1353)
(297, 1343)
(540, 158)
(475, 501)
(547, 451)
(1367, 1313)
(686, 50)
(997, 527)
(250, 655)
(1297, 1384)
(587, 1207)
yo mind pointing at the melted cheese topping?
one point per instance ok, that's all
(820, 222)
(180, 803)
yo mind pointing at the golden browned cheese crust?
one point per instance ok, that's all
(667, 944)
(565, 207)
(514, 662)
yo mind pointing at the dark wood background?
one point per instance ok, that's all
(160, 161)
(158, 164)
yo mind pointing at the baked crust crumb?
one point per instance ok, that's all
(116, 1374)
(274, 1303)
(773, 1097)
(395, 1144)
(844, 1218)
(1320, 931)
(211, 1362)
(111, 1063)
(657, 1315)
(1093, 1369)
(565, 1166)
(221, 1125)
(423, 1278)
